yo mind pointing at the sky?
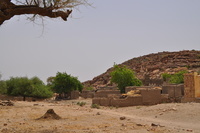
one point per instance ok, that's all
(94, 38)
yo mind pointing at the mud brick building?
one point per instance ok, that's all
(192, 87)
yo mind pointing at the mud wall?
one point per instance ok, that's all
(87, 94)
(19, 98)
(117, 102)
(174, 91)
(74, 94)
(151, 96)
(189, 85)
(197, 85)
(129, 88)
(105, 93)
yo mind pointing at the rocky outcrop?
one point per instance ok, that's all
(154, 65)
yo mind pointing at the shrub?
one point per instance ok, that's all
(95, 106)
(176, 78)
(89, 88)
(166, 76)
(3, 87)
(81, 103)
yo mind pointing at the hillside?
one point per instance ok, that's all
(154, 65)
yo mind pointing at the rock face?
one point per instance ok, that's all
(152, 66)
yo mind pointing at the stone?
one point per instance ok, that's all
(154, 125)
(98, 113)
(122, 118)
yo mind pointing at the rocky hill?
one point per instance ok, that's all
(154, 65)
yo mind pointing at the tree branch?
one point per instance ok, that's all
(8, 10)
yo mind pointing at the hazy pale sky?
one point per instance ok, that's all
(94, 38)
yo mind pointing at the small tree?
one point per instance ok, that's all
(64, 83)
(124, 77)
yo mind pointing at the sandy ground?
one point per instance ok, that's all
(162, 118)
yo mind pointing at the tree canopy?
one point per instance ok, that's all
(49, 8)
(22, 86)
(124, 77)
(65, 83)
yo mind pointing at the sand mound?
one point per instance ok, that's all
(50, 114)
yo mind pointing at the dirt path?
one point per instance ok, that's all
(167, 118)
(184, 126)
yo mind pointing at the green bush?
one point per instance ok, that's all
(95, 106)
(124, 77)
(166, 76)
(81, 103)
(41, 91)
(176, 78)
(89, 88)
(3, 87)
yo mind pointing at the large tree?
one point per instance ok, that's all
(49, 8)
(65, 83)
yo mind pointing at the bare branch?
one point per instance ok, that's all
(49, 8)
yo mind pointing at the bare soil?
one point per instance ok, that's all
(161, 118)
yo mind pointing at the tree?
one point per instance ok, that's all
(3, 87)
(49, 8)
(64, 83)
(22, 86)
(19, 86)
(124, 77)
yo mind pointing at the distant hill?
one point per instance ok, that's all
(154, 65)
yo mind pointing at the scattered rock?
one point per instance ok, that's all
(154, 125)
(139, 125)
(98, 113)
(189, 130)
(122, 118)
(6, 103)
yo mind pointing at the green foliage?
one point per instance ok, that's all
(3, 87)
(81, 103)
(41, 91)
(176, 78)
(95, 106)
(19, 86)
(64, 83)
(124, 77)
(166, 76)
(22, 86)
(36, 81)
(89, 88)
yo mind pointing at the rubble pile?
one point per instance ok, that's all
(6, 103)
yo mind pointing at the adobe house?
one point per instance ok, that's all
(192, 87)
(145, 96)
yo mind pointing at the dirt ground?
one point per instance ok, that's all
(161, 118)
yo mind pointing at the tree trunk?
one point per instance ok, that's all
(24, 98)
